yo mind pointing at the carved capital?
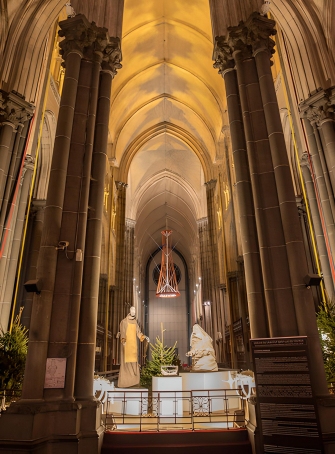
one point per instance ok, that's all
(259, 32)
(304, 161)
(223, 55)
(243, 41)
(14, 109)
(83, 37)
(319, 107)
(77, 35)
(112, 56)
(319, 114)
(120, 185)
(211, 184)
(29, 164)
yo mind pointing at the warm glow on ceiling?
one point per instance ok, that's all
(167, 79)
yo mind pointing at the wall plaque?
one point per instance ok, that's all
(286, 409)
(55, 373)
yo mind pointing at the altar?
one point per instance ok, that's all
(211, 385)
(168, 392)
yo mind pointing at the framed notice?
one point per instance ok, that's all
(55, 373)
(286, 409)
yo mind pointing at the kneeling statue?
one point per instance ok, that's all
(202, 351)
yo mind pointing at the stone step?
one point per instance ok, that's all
(233, 441)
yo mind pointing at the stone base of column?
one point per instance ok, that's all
(254, 434)
(52, 428)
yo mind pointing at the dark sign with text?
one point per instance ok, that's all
(285, 401)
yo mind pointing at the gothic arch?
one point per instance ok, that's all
(172, 130)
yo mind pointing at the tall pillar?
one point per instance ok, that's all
(303, 299)
(14, 112)
(90, 289)
(37, 216)
(315, 148)
(10, 175)
(214, 277)
(48, 416)
(119, 307)
(17, 237)
(319, 235)
(33, 386)
(250, 247)
(327, 125)
(204, 265)
(267, 149)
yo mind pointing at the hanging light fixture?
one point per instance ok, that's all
(167, 283)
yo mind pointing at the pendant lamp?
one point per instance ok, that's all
(167, 283)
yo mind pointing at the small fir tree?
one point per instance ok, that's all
(326, 325)
(13, 354)
(161, 356)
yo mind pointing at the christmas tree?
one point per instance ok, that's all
(161, 356)
(326, 325)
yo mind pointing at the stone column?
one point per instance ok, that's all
(119, 308)
(6, 141)
(17, 238)
(8, 186)
(319, 235)
(274, 261)
(214, 259)
(259, 27)
(90, 289)
(129, 261)
(68, 283)
(325, 200)
(37, 216)
(14, 112)
(328, 131)
(250, 247)
(33, 386)
(321, 146)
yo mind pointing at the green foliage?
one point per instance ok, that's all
(161, 356)
(326, 325)
(13, 353)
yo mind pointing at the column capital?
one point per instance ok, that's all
(14, 109)
(84, 38)
(211, 184)
(318, 108)
(29, 163)
(243, 41)
(130, 223)
(223, 55)
(304, 161)
(112, 56)
(120, 184)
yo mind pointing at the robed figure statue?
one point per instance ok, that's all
(129, 374)
(202, 351)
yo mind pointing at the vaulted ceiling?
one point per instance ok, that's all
(167, 111)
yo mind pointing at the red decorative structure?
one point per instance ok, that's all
(167, 284)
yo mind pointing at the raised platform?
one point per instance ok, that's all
(126, 401)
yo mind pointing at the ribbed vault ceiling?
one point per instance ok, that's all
(166, 117)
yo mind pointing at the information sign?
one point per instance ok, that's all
(286, 407)
(55, 373)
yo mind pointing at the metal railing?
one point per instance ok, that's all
(139, 410)
(7, 396)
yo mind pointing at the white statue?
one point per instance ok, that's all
(202, 351)
(129, 374)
